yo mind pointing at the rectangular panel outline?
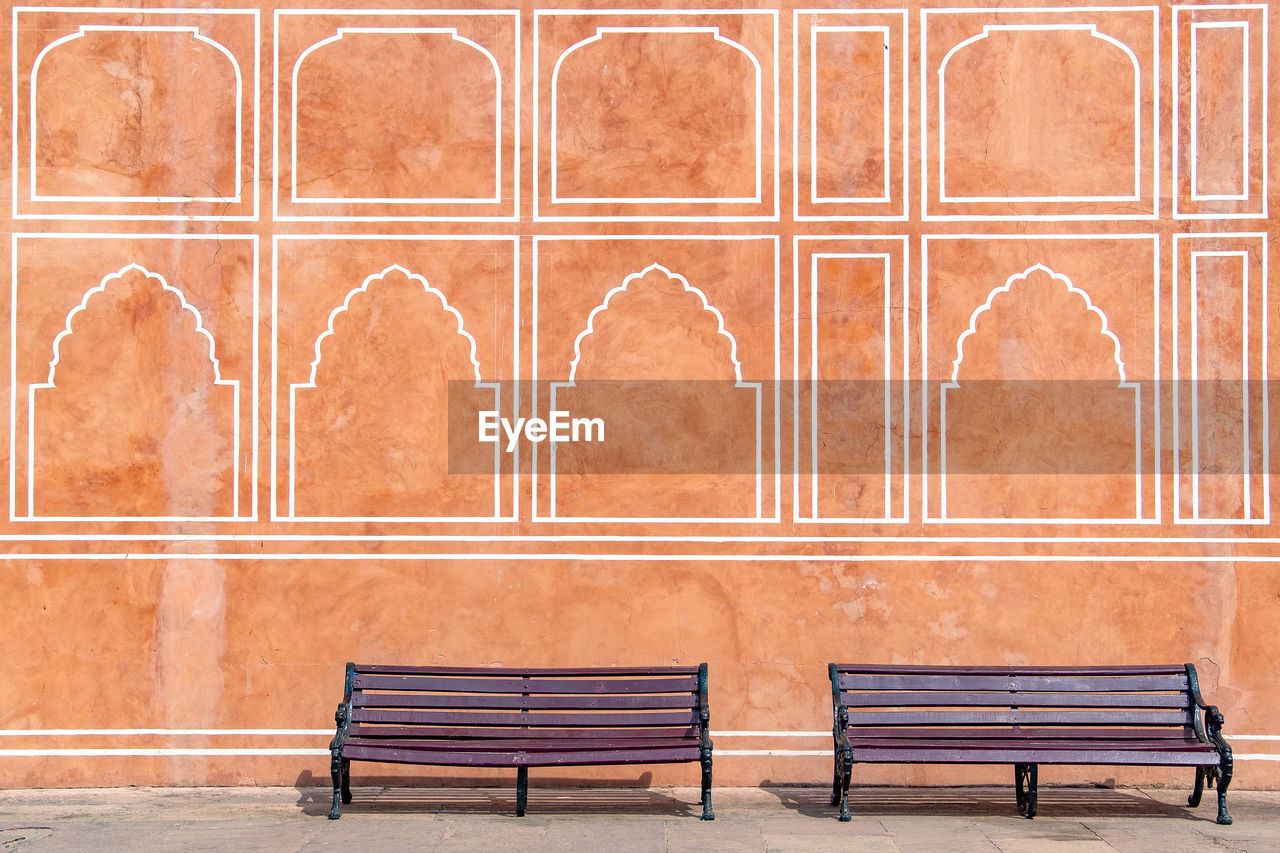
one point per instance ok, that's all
(1265, 126)
(761, 475)
(13, 386)
(906, 124)
(1264, 288)
(276, 516)
(1154, 431)
(798, 517)
(1196, 195)
(253, 157)
(1152, 150)
(517, 62)
(775, 216)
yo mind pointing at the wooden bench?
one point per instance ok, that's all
(521, 718)
(1026, 716)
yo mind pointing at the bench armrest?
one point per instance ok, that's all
(1208, 729)
(839, 714)
(704, 709)
(342, 716)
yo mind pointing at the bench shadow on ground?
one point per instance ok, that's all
(985, 802)
(390, 795)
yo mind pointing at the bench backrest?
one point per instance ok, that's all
(1150, 701)
(407, 702)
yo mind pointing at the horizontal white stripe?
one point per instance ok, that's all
(1253, 737)
(1257, 757)
(722, 752)
(165, 732)
(770, 734)
(210, 752)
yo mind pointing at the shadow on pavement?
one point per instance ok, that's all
(985, 802)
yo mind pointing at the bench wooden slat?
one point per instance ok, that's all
(366, 730)
(1031, 755)
(497, 701)
(1156, 745)
(909, 669)
(448, 684)
(993, 718)
(1025, 700)
(1018, 683)
(525, 744)
(516, 758)
(491, 672)
(544, 720)
(997, 733)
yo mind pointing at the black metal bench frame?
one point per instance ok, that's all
(1026, 716)
(521, 718)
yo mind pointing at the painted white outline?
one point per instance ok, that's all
(1152, 152)
(733, 357)
(13, 368)
(890, 344)
(954, 383)
(234, 384)
(276, 515)
(886, 145)
(1246, 344)
(1139, 519)
(452, 32)
(773, 216)
(1196, 195)
(85, 29)
(450, 15)
(1181, 13)
(901, 92)
(600, 33)
(310, 384)
(777, 367)
(250, 163)
(945, 198)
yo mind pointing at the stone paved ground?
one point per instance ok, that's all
(1078, 820)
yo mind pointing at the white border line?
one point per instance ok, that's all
(251, 162)
(924, 385)
(276, 371)
(13, 376)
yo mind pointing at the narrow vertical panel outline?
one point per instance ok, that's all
(452, 33)
(904, 94)
(814, 32)
(1196, 28)
(237, 516)
(251, 161)
(774, 516)
(1154, 475)
(513, 480)
(1248, 331)
(1152, 151)
(1179, 14)
(814, 516)
(600, 33)
(538, 216)
(515, 87)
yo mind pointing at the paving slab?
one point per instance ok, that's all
(771, 820)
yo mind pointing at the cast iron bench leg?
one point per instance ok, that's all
(707, 813)
(522, 790)
(1026, 774)
(1224, 779)
(335, 770)
(1198, 791)
(845, 776)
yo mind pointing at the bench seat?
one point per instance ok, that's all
(521, 718)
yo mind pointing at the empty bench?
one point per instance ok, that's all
(1026, 716)
(521, 718)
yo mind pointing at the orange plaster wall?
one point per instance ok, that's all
(230, 437)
